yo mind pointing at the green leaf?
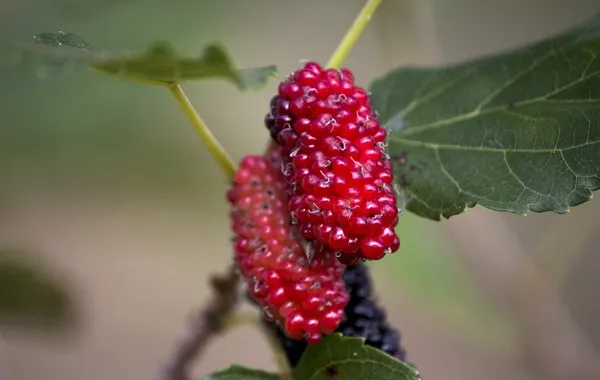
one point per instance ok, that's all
(237, 372)
(344, 358)
(160, 65)
(515, 132)
(30, 296)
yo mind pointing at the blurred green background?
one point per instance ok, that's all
(108, 188)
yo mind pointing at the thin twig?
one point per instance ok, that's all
(203, 325)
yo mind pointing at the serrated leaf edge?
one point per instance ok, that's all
(582, 28)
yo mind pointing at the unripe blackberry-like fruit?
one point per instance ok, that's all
(362, 318)
(339, 177)
(305, 298)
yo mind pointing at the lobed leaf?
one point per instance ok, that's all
(158, 65)
(161, 65)
(348, 358)
(514, 132)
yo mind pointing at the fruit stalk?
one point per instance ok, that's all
(209, 140)
(353, 34)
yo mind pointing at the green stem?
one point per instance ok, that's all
(211, 143)
(353, 34)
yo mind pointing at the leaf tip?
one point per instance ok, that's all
(273, 72)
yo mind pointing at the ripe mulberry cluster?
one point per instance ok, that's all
(305, 298)
(362, 318)
(326, 181)
(339, 177)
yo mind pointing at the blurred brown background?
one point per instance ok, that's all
(109, 188)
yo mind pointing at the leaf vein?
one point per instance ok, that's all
(345, 361)
(421, 144)
(434, 92)
(451, 178)
(535, 63)
(511, 171)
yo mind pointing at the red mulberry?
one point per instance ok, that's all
(362, 318)
(339, 177)
(305, 298)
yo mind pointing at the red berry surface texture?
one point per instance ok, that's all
(363, 317)
(306, 299)
(339, 177)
